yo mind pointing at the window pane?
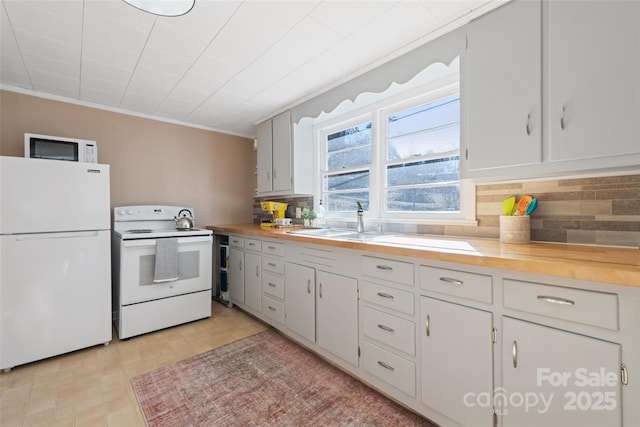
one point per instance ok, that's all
(349, 147)
(428, 171)
(350, 158)
(433, 115)
(439, 140)
(347, 181)
(430, 199)
(346, 202)
(348, 138)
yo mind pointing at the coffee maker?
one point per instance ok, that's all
(277, 211)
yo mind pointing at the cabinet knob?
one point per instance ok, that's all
(514, 354)
(426, 326)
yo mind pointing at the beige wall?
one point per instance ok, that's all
(152, 162)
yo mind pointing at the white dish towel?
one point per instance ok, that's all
(166, 268)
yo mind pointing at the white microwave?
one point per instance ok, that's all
(60, 148)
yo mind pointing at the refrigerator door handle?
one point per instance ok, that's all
(63, 235)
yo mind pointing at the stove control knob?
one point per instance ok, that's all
(120, 212)
(129, 212)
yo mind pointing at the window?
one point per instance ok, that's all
(422, 165)
(347, 167)
(401, 161)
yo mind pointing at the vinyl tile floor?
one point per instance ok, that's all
(92, 387)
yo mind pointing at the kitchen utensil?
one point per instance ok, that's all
(523, 204)
(532, 206)
(508, 206)
(184, 222)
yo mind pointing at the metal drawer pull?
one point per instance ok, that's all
(273, 248)
(385, 328)
(271, 308)
(426, 326)
(451, 280)
(320, 290)
(270, 264)
(527, 129)
(514, 354)
(383, 295)
(384, 267)
(257, 270)
(385, 366)
(271, 284)
(562, 118)
(308, 286)
(252, 244)
(624, 375)
(556, 300)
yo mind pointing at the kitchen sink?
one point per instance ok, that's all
(340, 234)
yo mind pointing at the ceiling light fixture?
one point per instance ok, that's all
(163, 7)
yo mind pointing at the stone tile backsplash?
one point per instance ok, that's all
(598, 210)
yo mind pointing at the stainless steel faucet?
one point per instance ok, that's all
(360, 218)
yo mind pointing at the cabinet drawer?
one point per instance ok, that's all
(273, 264)
(387, 269)
(387, 297)
(273, 309)
(253, 245)
(273, 285)
(395, 370)
(389, 330)
(581, 306)
(273, 248)
(477, 287)
(236, 242)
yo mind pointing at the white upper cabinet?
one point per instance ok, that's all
(501, 97)
(594, 80)
(282, 149)
(284, 162)
(550, 88)
(275, 154)
(265, 157)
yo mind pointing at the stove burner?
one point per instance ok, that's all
(139, 231)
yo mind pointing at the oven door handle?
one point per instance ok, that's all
(166, 280)
(152, 242)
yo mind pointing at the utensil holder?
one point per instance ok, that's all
(515, 229)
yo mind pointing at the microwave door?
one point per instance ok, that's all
(55, 150)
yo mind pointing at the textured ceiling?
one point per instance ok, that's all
(224, 66)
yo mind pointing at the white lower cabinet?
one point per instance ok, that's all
(557, 378)
(252, 281)
(337, 315)
(300, 301)
(457, 361)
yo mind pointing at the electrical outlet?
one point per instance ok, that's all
(298, 213)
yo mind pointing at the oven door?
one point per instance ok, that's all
(137, 267)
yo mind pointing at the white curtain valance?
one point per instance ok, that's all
(400, 70)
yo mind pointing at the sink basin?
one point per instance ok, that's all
(319, 232)
(340, 234)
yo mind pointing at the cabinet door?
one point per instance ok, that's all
(557, 378)
(265, 157)
(300, 297)
(252, 281)
(236, 275)
(282, 168)
(502, 94)
(337, 315)
(593, 87)
(457, 361)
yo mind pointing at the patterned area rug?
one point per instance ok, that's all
(262, 380)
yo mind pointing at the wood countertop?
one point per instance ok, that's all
(615, 265)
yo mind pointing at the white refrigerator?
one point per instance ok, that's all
(55, 260)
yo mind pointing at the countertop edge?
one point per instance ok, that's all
(612, 265)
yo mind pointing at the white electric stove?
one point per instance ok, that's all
(144, 298)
